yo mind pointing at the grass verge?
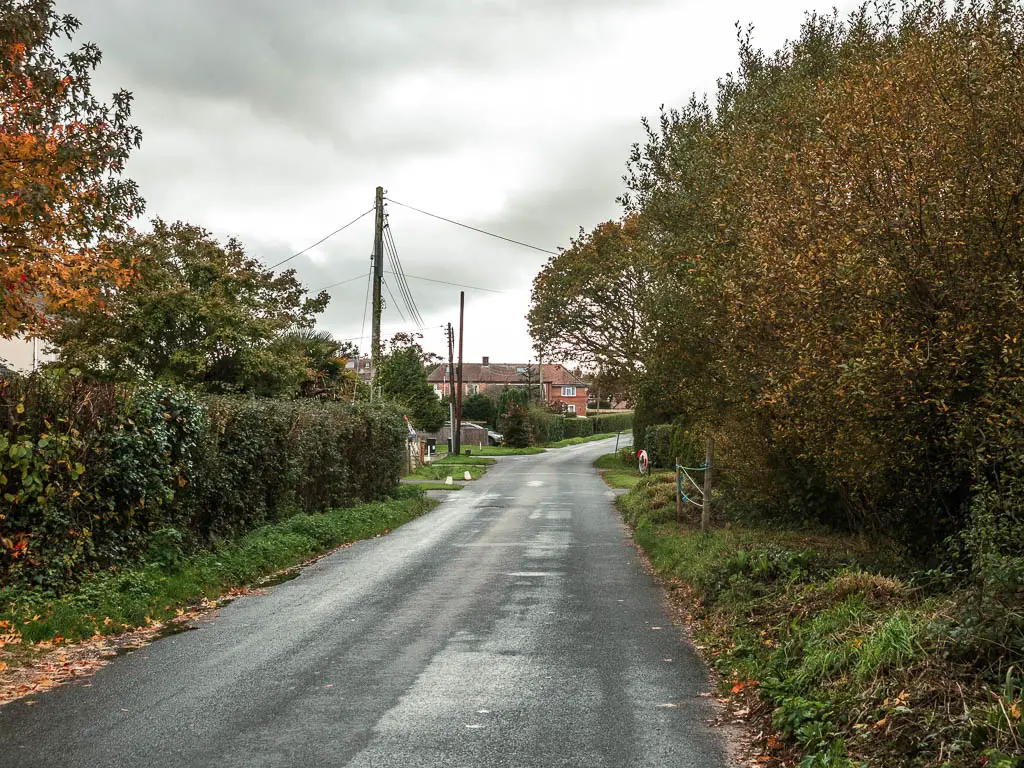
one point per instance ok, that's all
(618, 472)
(847, 657)
(439, 487)
(501, 450)
(580, 440)
(441, 470)
(471, 460)
(110, 603)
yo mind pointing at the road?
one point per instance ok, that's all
(512, 626)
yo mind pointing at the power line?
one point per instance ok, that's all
(398, 308)
(457, 285)
(403, 284)
(321, 240)
(340, 282)
(366, 301)
(475, 229)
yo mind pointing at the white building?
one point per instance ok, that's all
(22, 355)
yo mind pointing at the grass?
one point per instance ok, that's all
(109, 603)
(501, 450)
(439, 487)
(441, 470)
(824, 635)
(580, 440)
(619, 473)
(472, 460)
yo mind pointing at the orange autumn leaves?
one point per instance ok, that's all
(61, 153)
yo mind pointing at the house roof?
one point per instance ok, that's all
(508, 373)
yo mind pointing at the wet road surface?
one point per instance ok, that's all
(512, 626)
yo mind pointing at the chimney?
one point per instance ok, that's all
(487, 361)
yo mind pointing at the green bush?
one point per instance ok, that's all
(515, 425)
(93, 476)
(547, 427)
(658, 443)
(612, 422)
(578, 428)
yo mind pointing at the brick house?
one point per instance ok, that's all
(558, 384)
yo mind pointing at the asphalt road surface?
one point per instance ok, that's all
(512, 626)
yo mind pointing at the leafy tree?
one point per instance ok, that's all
(515, 426)
(403, 376)
(62, 153)
(199, 314)
(326, 374)
(592, 302)
(509, 397)
(479, 407)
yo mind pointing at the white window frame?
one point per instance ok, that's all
(568, 391)
(571, 408)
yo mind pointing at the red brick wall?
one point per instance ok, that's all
(579, 400)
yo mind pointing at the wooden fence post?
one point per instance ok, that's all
(679, 494)
(705, 512)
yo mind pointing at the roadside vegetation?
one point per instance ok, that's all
(819, 269)
(195, 431)
(839, 645)
(165, 582)
(441, 471)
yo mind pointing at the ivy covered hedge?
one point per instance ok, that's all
(94, 476)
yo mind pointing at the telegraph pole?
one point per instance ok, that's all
(451, 388)
(458, 396)
(378, 274)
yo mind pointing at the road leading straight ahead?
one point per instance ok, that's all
(512, 626)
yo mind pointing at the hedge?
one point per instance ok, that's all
(94, 475)
(613, 422)
(578, 427)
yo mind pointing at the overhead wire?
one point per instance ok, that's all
(366, 303)
(474, 229)
(397, 308)
(403, 284)
(340, 282)
(321, 240)
(457, 285)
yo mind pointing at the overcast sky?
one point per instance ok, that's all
(274, 121)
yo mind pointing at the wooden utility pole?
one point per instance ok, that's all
(458, 373)
(705, 512)
(679, 493)
(378, 275)
(451, 387)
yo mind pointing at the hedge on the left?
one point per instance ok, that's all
(95, 476)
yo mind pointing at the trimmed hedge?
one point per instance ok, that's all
(578, 427)
(614, 422)
(93, 476)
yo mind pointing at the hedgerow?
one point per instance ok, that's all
(94, 475)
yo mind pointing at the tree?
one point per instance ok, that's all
(326, 375)
(198, 314)
(515, 426)
(62, 153)
(593, 302)
(479, 407)
(403, 377)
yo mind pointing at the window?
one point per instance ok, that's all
(473, 389)
(571, 408)
(568, 391)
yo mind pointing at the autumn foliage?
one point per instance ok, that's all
(836, 249)
(62, 152)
